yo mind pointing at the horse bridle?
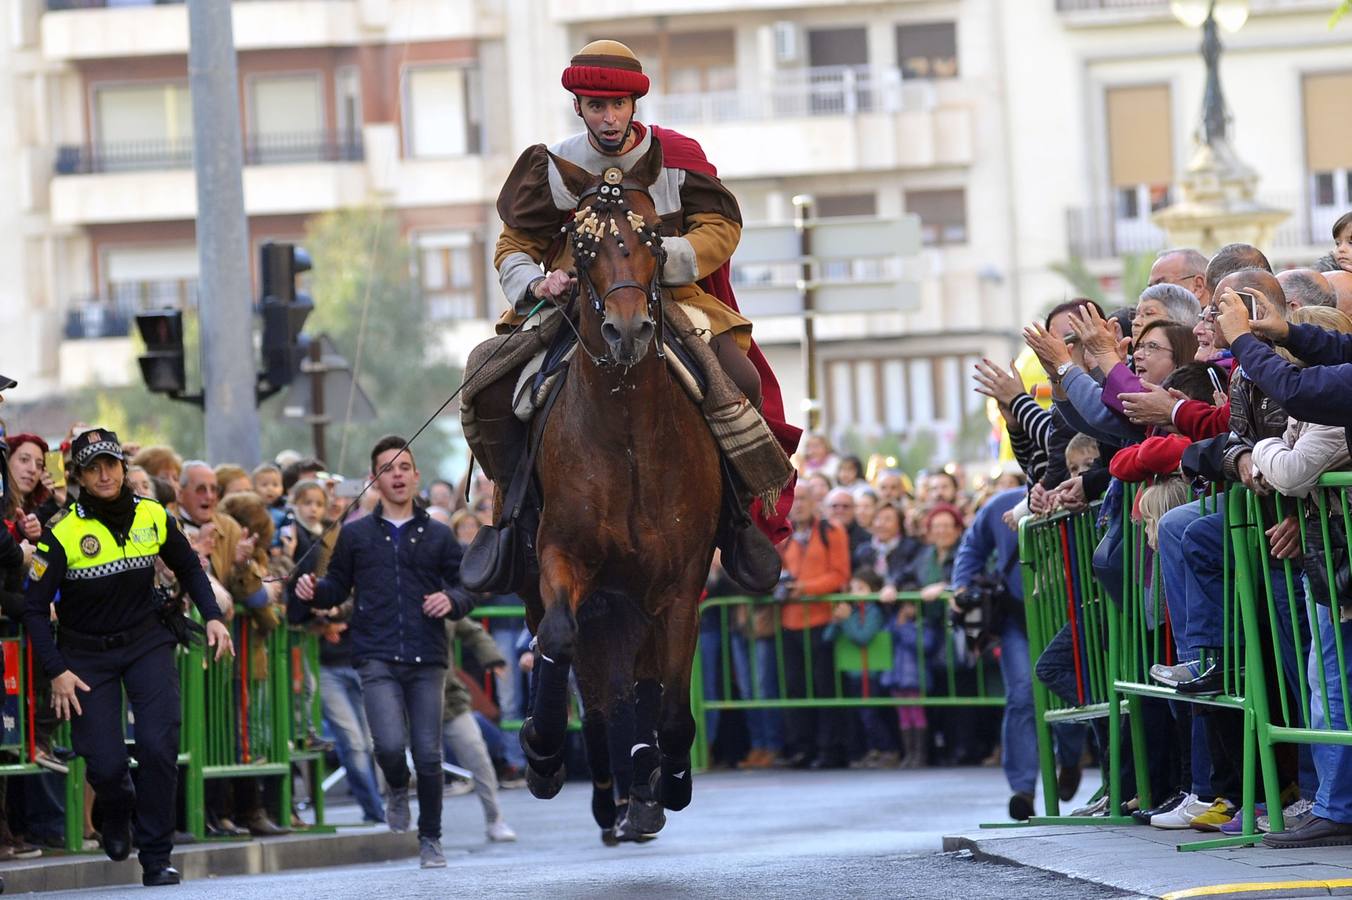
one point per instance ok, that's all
(586, 231)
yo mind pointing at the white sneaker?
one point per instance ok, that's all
(500, 832)
(458, 787)
(1293, 816)
(1181, 816)
(1098, 808)
(1172, 676)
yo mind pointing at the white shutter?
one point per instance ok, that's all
(436, 115)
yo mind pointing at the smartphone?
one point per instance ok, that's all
(55, 463)
(1215, 379)
(1250, 302)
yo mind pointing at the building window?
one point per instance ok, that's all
(286, 119)
(437, 119)
(447, 274)
(835, 206)
(347, 91)
(929, 50)
(1328, 151)
(943, 215)
(142, 126)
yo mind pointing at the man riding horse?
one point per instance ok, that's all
(700, 225)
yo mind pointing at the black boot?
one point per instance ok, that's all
(160, 876)
(748, 556)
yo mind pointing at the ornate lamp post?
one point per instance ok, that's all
(1217, 205)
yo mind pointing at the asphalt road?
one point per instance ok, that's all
(760, 834)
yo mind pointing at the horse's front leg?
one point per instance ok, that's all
(676, 726)
(544, 733)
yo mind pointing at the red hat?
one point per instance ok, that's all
(605, 69)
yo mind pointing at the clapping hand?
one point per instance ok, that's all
(995, 382)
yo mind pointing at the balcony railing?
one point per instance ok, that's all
(823, 91)
(1084, 5)
(96, 320)
(1097, 233)
(111, 315)
(176, 153)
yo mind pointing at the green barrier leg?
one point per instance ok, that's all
(1046, 750)
(1255, 688)
(75, 782)
(1138, 753)
(194, 741)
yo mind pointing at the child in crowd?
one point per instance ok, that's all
(1342, 242)
(859, 623)
(913, 643)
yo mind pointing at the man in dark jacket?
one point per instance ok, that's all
(404, 569)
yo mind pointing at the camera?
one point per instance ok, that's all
(783, 587)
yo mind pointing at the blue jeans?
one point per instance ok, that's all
(1018, 739)
(1055, 668)
(766, 726)
(1204, 574)
(403, 705)
(1175, 572)
(341, 697)
(711, 666)
(505, 633)
(1333, 763)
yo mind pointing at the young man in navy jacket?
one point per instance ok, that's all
(403, 570)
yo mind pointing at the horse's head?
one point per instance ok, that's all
(618, 253)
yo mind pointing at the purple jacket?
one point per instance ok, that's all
(1121, 380)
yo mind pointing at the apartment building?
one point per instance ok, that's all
(1022, 135)
(342, 103)
(1111, 101)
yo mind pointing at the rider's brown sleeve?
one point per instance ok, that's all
(534, 244)
(713, 238)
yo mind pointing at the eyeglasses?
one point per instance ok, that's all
(1150, 347)
(206, 489)
(841, 505)
(1209, 314)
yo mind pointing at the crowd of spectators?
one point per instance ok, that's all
(254, 531)
(1223, 372)
(1220, 372)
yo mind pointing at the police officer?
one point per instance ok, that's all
(99, 554)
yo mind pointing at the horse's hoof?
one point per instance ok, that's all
(644, 817)
(609, 838)
(544, 787)
(626, 832)
(676, 785)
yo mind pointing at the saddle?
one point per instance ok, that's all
(753, 463)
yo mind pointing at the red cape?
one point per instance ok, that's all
(681, 152)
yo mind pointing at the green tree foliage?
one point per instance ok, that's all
(367, 302)
(1084, 283)
(1343, 9)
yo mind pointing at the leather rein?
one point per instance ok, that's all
(594, 223)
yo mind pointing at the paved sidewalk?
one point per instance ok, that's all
(1145, 862)
(349, 845)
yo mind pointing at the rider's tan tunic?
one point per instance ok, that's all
(700, 224)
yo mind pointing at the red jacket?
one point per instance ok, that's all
(1159, 455)
(819, 568)
(1200, 420)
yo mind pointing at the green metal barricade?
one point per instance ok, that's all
(250, 716)
(1061, 593)
(947, 675)
(1138, 636)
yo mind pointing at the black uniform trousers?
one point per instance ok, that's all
(145, 667)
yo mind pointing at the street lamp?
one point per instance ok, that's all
(1207, 15)
(1218, 204)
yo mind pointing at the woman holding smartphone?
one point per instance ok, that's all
(30, 499)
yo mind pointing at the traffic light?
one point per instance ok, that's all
(284, 311)
(162, 363)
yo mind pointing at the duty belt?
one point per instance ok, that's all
(69, 638)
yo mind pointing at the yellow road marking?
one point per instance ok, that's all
(1212, 890)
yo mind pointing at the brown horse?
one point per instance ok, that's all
(629, 476)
